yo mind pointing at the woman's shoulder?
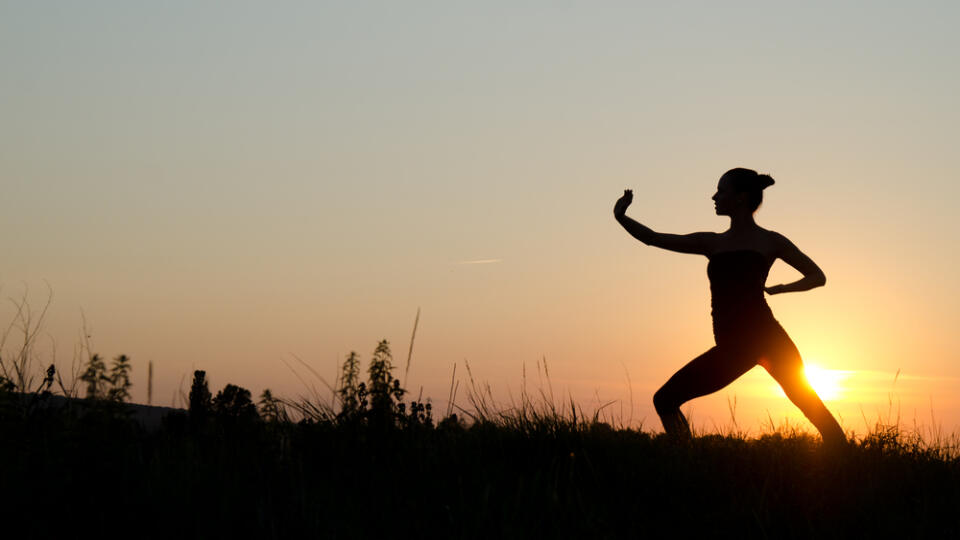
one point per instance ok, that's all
(775, 237)
(776, 243)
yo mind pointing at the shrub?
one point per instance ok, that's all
(200, 398)
(233, 403)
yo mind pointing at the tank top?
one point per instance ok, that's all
(738, 306)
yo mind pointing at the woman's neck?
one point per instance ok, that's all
(742, 222)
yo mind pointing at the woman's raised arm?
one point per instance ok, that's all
(698, 243)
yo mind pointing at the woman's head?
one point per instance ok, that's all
(740, 188)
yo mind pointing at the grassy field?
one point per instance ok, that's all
(90, 468)
(370, 464)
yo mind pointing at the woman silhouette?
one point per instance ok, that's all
(745, 331)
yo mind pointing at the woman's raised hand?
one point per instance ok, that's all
(620, 208)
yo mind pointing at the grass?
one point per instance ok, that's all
(534, 470)
(544, 477)
(366, 462)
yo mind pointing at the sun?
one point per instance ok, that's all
(825, 382)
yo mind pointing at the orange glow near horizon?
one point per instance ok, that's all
(827, 383)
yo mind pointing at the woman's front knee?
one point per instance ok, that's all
(664, 401)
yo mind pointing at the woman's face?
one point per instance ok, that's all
(726, 200)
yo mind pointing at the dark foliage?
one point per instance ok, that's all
(233, 402)
(282, 480)
(200, 398)
(100, 384)
(378, 404)
(119, 379)
(383, 469)
(271, 409)
(95, 377)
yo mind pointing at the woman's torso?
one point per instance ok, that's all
(739, 308)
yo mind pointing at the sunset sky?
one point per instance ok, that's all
(229, 186)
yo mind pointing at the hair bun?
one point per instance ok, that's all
(765, 180)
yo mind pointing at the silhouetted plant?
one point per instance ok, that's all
(7, 388)
(420, 414)
(47, 382)
(385, 392)
(17, 368)
(379, 402)
(95, 377)
(200, 399)
(233, 402)
(450, 422)
(350, 386)
(6, 385)
(119, 390)
(271, 409)
(352, 392)
(113, 387)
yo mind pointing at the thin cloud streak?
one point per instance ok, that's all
(892, 375)
(482, 261)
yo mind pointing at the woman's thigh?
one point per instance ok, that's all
(779, 356)
(782, 360)
(708, 373)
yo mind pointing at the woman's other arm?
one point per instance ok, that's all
(813, 276)
(698, 243)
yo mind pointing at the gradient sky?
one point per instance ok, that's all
(228, 185)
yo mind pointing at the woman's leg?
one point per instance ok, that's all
(703, 375)
(786, 367)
